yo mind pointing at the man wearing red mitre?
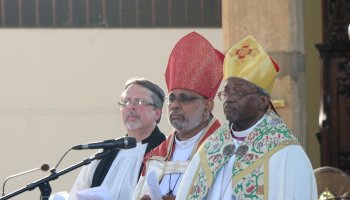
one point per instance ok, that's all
(193, 75)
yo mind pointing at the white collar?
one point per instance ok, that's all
(246, 132)
(189, 142)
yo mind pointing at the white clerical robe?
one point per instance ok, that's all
(121, 178)
(290, 175)
(174, 168)
(182, 152)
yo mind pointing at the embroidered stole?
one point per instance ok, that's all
(159, 160)
(250, 170)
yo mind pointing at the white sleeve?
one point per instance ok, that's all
(188, 177)
(84, 179)
(291, 176)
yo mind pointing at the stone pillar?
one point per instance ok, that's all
(278, 26)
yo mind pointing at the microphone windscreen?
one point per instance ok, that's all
(45, 167)
(131, 142)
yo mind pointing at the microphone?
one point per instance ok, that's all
(43, 168)
(121, 143)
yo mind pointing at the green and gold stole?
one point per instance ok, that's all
(250, 170)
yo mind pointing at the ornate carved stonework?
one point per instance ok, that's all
(338, 20)
(345, 66)
(344, 161)
(344, 85)
(335, 55)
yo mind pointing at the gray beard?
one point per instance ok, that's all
(184, 126)
(133, 125)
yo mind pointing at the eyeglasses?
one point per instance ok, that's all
(182, 98)
(135, 102)
(239, 94)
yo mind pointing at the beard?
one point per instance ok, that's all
(134, 123)
(182, 124)
(131, 125)
(232, 114)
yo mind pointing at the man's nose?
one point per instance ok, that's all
(230, 99)
(175, 104)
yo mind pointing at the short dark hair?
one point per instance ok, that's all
(157, 94)
(263, 92)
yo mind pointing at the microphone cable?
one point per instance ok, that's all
(53, 170)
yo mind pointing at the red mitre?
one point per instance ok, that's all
(195, 65)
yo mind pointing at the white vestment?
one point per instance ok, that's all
(182, 152)
(290, 175)
(121, 178)
(174, 168)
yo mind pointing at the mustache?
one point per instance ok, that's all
(175, 112)
(131, 114)
(228, 104)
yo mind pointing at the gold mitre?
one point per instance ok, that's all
(249, 61)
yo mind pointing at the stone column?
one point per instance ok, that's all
(278, 26)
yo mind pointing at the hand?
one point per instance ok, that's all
(168, 197)
(145, 197)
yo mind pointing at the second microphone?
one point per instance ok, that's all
(120, 143)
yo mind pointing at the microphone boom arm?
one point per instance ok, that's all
(43, 183)
(15, 175)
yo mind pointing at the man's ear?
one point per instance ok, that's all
(264, 102)
(209, 105)
(158, 114)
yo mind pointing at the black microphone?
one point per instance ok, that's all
(43, 168)
(121, 143)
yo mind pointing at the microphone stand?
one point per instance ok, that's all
(44, 184)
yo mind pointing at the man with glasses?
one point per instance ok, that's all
(141, 108)
(193, 75)
(255, 156)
